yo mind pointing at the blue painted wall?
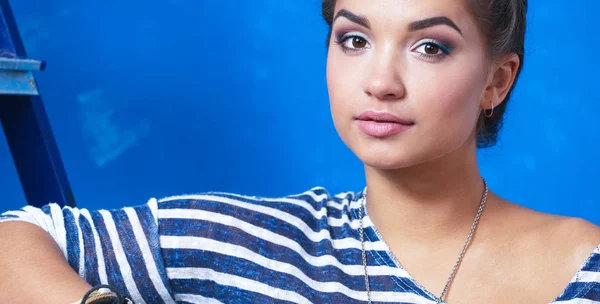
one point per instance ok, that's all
(155, 98)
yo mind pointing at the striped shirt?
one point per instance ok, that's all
(227, 248)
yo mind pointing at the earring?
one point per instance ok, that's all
(491, 113)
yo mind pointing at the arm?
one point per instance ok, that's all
(64, 251)
(34, 269)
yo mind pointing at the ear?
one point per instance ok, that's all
(500, 80)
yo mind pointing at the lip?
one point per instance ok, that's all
(383, 117)
(382, 124)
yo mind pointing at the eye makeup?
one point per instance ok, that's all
(352, 42)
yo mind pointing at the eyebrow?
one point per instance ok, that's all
(353, 17)
(429, 22)
(413, 26)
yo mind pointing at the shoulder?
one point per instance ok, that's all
(570, 237)
(576, 237)
(556, 245)
(547, 230)
(225, 218)
(540, 252)
(572, 253)
(315, 202)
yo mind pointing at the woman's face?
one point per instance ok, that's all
(406, 79)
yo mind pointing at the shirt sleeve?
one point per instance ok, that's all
(116, 247)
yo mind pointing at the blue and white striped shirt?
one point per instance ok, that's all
(227, 248)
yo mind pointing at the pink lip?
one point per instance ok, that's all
(382, 124)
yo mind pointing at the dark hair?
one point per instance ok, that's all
(503, 23)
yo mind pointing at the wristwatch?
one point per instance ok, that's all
(104, 294)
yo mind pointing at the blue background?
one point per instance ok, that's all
(156, 98)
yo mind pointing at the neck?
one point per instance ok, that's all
(431, 201)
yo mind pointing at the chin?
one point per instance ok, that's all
(392, 164)
(407, 156)
(398, 154)
(389, 160)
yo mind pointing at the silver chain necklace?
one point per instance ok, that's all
(456, 265)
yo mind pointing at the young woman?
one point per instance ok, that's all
(415, 88)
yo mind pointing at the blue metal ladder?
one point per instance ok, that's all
(25, 122)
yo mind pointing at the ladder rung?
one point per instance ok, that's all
(16, 64)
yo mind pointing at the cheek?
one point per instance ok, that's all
(340, 84)
(335, 89)
(450, 98)
(343, 84)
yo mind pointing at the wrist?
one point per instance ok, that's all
(103, 294)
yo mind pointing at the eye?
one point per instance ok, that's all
(356, 42)
(432, 49)
(352, 43)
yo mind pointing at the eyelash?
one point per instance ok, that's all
(445, 48)
(343, 38)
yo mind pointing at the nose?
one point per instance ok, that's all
(383, 80)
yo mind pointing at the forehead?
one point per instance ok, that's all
(396, 13)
